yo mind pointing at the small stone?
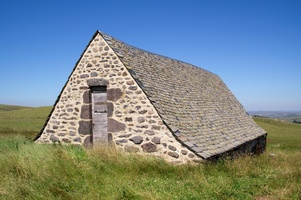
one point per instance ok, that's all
(173, 154)
(149, 132)
(49, 131)
(117, 112)
(66, 140)
(121, 141)
(142, 111)
(154, 127)
(156, 140)
(150, 112)
(72, 133)
(132, 111)
(149, 147)
(142, 126)
(56, 122)
(84, 75)
(172, 148)
(190, 155)
(83, 87)
(141, 119)
(124, 135)
(129, 92)
(128, 119)
(94, 74)
(77, 139)
(53, 138)
(137, 139)
(133, 88)
(198, 160)
(184, 152)
(61, 134)
(151, 121)
(131, 82)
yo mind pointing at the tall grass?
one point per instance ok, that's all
(31, 171)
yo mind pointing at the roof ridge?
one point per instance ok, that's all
(108, 37)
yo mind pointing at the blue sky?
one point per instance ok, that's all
(254, 46)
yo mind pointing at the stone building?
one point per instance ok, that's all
(150, 104)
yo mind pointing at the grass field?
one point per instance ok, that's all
(32, 171)
(22, 120)
(281, 133)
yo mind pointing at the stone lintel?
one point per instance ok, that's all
(97, 82)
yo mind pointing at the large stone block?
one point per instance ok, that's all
(110, 109)
(85, 128)
(137, 139)
(85, 112)
(88, 141)
(97, 82)
(87, 97)
(114, 94)
(156, 140)
(115, 126)
(149, 147)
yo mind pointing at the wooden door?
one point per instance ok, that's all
(99, 115)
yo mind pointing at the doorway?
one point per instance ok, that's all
(99, 114)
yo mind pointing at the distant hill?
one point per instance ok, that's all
(289, 116)
(4, 107)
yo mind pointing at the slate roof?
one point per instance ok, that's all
(194, 103)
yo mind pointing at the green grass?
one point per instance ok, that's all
(281, 133)
(22, 120)
(33, 171)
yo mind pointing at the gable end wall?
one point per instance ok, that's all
(133, 123)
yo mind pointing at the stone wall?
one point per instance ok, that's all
(133, 123)
(253, 147)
